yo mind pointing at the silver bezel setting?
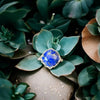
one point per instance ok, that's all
(40, 58)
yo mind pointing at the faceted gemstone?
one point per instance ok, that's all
(50, 58)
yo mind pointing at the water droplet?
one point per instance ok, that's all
(29, 52)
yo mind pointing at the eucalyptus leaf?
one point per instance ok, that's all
(34, 24)
(29, 96)
(67, 44)
(57, 3)
(63, 69)
(7, 5)
(21, 26)
(5, 83)
(43, 8)
(11, 17)
(34, 40)
(4, 49)
(76, 8)
(42, 40)
(56, 46)
(48, 27)
(5, 88)
(6, 93)
(19, 41)
(98, 17)
(21, 88)
(60, 23)
(64, 26)
(57, 34)
(93, 29)
(88, 74)
(29, 63)
(19, 98)
(75, 59)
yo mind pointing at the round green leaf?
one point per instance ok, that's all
(75, 59)
(29, 63)
(34, 40)
(64, 26)
(19, 98)
(57, 3)
(12, 16)
(21, 88)
(63, 69)
(93, 28)
(88, 75)
(5, 93)
(67, 44)
(98, 16)
(42, 40)
(19, 41)
(6, 89)
(57, 34)
(76, 8)
(5, 83)
(29, 96)
(42, 6)
(4, 49)
(7, 5)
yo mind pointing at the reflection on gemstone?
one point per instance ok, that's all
(50, 58)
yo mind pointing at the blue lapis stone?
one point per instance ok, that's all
(50, 58)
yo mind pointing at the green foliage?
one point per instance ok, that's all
(29, 96)
(88, 75)
(42, 39)
(91, 84)
(58, 24)
(43, 8)
(29, 63)
(65, 47)
(77, 8)
(98, 17)
(13, 17)
(57, 3)
(10, 42)
(5, 87)
(75, 59)
(13, 92)
(6, 6)
(53, 39)
(19, 92)
(63, 69)
(94, 28)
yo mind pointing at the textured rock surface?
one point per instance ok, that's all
(46, 86)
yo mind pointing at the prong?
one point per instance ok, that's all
(39, 58)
